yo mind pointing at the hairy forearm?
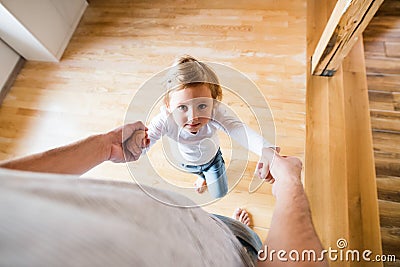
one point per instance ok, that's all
(292, 209)
(76, 158)
(292, 227)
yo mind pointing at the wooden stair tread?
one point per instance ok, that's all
(381, 48)
(386, 140)
(385, 166)
(383, 100)
(392, 49)
(383, 82)
(389, 8)
(383, 64)
(382, 28)
(391, 241)
(389, 213)
(388, 188)
(385, 120)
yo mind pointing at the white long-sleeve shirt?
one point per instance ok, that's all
(201, 147)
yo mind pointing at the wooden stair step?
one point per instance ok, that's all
(381, 49)
(392, 49)
(373, 48)
(384, 165)
(381, 28)
(385, 120)
(389, 213)
(382, 100)
(389, 8)
(386, 141)
(391, 242)
(383, 82)
(383, 64)
(388, 188)
(387, 153)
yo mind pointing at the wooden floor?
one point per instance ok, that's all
(119, 44)
(382, 52)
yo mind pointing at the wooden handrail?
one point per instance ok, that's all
(347, 21)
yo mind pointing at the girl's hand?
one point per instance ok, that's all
(264, 164)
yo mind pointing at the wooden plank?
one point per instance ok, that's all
(387, 163)
(347, 22)
(386, 142)
(391, 243)
(383, 65)
(317, 155)
(383, 82)
(359, 156)
(317, 132)
(385, 120)
(379, 100)
(388, 188)
(389, 8)
(389, 213)
(387, 153)
(381, 34)
(341, 195)
(374, 48)
(396, 101)
(392, 49)
(207, 4)
(383, 29)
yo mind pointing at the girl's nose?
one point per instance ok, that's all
(192, 114)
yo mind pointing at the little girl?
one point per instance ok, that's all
(191, 117)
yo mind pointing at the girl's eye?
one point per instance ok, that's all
(182, 108)
(202, 106)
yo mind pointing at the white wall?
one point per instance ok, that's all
(39, 29)
(20, 39)
(9, 59)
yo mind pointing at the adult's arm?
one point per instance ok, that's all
(291, 226)
(81, 156)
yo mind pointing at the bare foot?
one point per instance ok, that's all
(242, 216)
(201, 185)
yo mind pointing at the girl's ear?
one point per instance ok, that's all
(168, 108)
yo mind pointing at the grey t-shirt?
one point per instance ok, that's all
(61, 220)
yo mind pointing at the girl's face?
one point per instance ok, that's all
(191, 107)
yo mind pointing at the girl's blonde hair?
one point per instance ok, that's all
(188, 71)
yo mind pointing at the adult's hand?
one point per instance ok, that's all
(286, 168)
(127, 142)
(286, 172)
(263, 169)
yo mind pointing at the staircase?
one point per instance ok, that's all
(382, 55)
